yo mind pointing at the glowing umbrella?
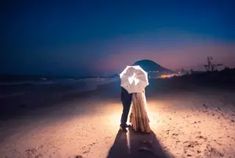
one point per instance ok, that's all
(134, 79)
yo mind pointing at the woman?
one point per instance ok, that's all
(139, 117)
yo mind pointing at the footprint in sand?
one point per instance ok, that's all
(175, 134)
(88, 148)
(212, 152)
(191, 148)
(196, 122)
(167, 132)
(200, 137)
(33, 153)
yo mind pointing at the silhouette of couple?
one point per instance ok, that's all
(138, 117)
(135, 144)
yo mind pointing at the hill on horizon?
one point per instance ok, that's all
(151, 66)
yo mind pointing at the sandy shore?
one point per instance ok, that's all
(184, 124)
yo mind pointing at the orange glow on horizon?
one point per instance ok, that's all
(168, 75)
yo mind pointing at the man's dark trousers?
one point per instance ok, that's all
(126, 102)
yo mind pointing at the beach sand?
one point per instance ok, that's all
(185, 123)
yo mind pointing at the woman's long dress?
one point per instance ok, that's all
(139, 117)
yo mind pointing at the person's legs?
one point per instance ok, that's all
(126, 102)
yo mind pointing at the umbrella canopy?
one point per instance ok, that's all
(134, 79)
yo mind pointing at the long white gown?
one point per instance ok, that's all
(139, 117)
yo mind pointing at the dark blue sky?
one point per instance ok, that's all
(99, 37)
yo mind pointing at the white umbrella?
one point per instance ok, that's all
(134, 79)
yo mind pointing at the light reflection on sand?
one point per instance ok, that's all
(182, 126)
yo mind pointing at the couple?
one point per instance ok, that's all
(138, 117)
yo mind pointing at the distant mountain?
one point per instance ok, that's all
(151, 66)
(154, 70)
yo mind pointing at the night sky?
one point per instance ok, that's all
(102, 37)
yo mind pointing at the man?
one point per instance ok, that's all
(126, 99)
